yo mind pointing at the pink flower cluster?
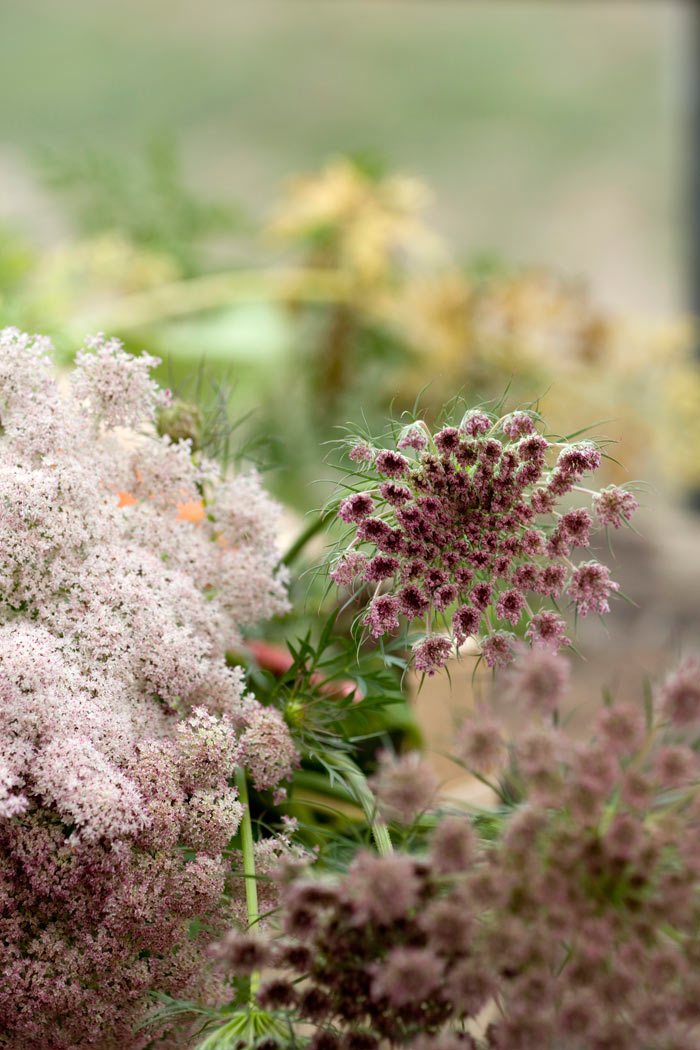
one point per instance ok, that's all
(574, 925)
(462, 526)
(97, 899)
(405, 786)
(128, 565)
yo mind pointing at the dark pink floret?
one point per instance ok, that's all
(497, 649)
(510, 606)
(361, 454)
(463, 576)
(533, 542)
(447, 440)
(532, 448)
(465, 621)
(372, 530)
(576, 525)
(543, 501)
(517, 425)
(501, 566)
(444, 596)
(551, 580)
(591, 587)
(413, 438)
(395, 494)
(613, 506)
(577, 459)
(560, 482)
(559, 543)
(435, 578)
(391, 464)
(383, 615)
(381, 567)
(525, 577)
(348, 568)
(413, 602)
(432, 654)
(490, 451)
(476, 423)
(548, 630)
(356, 507)
(481, 595)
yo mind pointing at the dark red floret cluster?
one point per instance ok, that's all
(466, 534)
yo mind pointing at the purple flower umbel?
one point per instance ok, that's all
(467, 532)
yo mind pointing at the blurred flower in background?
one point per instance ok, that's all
(356, 220)
(547, 340)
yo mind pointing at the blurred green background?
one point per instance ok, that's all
(549, 132)
(144, 147)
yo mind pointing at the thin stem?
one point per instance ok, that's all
(251, 888)
(357, 782)
(497, 424)
(421, 423)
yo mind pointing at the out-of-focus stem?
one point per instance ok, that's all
(357, 782)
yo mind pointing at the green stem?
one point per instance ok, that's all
(251, 888)
(357, 782)
(317, 523)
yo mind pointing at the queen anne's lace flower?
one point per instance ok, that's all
(127, 567)
(576, 914)
(461, 527)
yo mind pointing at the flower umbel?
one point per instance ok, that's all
(578, 918)
(128, 567)
(461, 526)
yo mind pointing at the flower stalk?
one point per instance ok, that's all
(251, 889)
(357, 782)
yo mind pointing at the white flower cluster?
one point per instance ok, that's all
(127, 568)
